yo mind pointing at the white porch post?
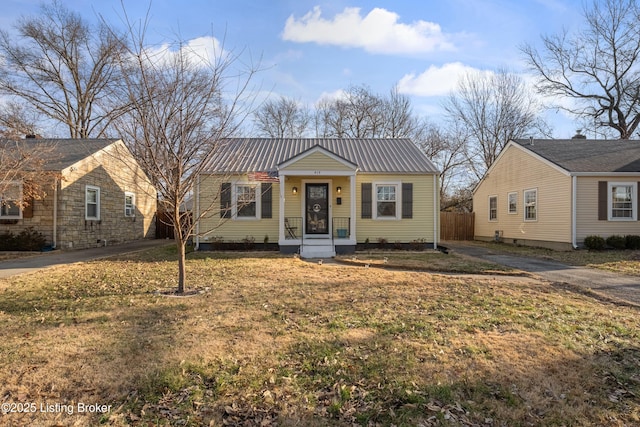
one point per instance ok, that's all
(352, 191)
(281, 237)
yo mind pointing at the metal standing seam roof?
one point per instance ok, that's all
(60, 153)
(241, 155)
(587, 155)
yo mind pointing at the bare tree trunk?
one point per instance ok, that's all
(182, 263)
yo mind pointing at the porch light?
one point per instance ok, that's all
(339, 190)
(294, 190)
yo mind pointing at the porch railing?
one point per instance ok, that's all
(341, 227)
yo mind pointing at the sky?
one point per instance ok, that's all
(308, 50)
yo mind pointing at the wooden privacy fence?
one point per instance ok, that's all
(456, 225)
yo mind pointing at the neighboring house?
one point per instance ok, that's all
(99, 195)
(554, 193)
(320, 196)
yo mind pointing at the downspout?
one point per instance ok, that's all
(435, 211)
(197, 216)
(55, 214)
(574, 211)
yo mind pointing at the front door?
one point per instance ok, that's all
(317, 209)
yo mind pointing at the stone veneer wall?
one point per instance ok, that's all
(114, 171)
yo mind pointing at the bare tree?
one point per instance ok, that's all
(357, 114)
(597, 68)
(446, 149)
(17, 121)
(184, 105)
(62, 67)
(492, 108)
(282, 118)
(23, 174)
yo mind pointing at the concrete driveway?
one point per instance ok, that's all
(49, 259)
(617, 287)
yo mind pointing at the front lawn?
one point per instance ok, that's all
(276, 340)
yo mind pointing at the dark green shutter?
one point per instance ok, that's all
(265, 200)
(407, 200)
(225, 200)
(366, 200)
(602, 201)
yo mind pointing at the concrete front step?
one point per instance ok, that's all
(317, 249)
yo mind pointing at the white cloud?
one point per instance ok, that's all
(203, 50)
(435, 81)
(377, 32)
(332, 96)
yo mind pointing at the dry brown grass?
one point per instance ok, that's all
(282, 341)
(432, 261)
(7, 256)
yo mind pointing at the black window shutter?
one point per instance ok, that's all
(602, 201)
(366, 200)
(225, 200)
(266, 203)
(407, 200)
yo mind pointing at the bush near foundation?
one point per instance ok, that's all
(27, 240)
(594, 243)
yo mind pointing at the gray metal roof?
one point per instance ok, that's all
(588, 155)
(60, 153)
(240, 155)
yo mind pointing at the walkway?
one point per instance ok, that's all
(615, 286)
(49, 259)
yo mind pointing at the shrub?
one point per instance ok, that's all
(382, 242)
(632, 242)
(7, 241)
(616, 241)
(594, 243)
(248, 242)
(27, 240)
(397, 245)
(417, 245)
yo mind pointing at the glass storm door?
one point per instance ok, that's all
(317, 209)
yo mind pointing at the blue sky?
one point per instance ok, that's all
(311, 49)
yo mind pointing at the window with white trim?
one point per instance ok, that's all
(245, 201)
(623, 203)
(386, 201)
(512, 203)
(493, 208)
(10, 199)
(92, 203)
(531, 205)
(129, 204)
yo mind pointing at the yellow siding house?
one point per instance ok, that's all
(554, 193)
(318, 196)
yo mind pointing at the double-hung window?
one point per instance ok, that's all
(531, 205)
(512, 200)
(246, 206)
(493, 208)
(386, 201)
(92, 203)
(623, 203)
(129, 204)
(10, 198)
